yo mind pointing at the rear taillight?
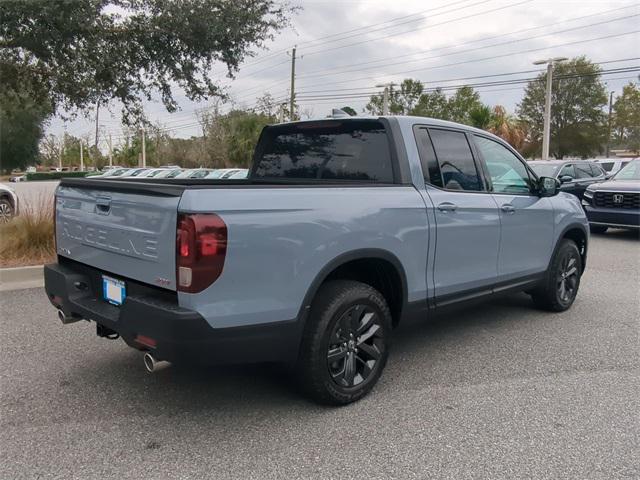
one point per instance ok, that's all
(201, 245)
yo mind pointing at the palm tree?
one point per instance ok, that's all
(508, 128)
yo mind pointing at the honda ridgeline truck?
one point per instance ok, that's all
(345, 227)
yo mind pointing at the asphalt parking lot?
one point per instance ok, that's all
(33, 193)
(497, 391)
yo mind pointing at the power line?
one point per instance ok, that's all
(359, 29)
(517, 40)
(419, 19)
(493, 57)
(504, 7)
(469, 78)
(481, 84)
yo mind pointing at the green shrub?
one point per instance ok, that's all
(28, 238)
(54, 175)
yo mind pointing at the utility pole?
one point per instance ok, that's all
(97, 114)
(61, 152)
(282, 106)
(81, 156)
(144, 148)
(293, 85)
(609, 123)
(110, 152)
(385, 96)
(546, 131)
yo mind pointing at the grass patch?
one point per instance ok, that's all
(28, 239)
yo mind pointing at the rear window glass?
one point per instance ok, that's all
(333, 150)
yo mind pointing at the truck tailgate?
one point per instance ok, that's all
(129, 232)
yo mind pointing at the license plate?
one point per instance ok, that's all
(113, 291)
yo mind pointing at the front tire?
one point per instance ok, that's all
(562, 280)
(345, 344)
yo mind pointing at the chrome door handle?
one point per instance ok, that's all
(447, 207)
(508, 208)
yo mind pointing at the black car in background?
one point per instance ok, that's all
(616, 202)
(574, 175)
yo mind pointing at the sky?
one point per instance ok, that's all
(345, 48)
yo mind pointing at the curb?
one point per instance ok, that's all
(19, 278)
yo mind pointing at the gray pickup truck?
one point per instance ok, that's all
(345, 227)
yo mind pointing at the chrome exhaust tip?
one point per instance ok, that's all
(66, 318)
(152, 364)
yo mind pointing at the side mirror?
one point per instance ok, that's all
(566, 179)
(548, 186)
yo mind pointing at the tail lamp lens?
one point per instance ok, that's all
(201, 247)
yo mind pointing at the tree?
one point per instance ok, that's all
(433, 104)
(578, 123)
(266, 105)
(481, 117)
(22, 122)
(626, 117)
(81, 53)
(462, 103)
(402, 101)
(508, 128)
(243, 130)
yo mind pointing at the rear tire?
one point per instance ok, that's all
(562, 280)
(345, 345)
(598, 228)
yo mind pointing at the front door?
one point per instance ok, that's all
(466, 216)
(526, 219)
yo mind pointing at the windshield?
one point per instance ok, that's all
(630, 172)
(545, 169)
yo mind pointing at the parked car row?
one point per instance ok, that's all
(608, 188)
(175, 172)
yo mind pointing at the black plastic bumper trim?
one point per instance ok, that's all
(181, 335)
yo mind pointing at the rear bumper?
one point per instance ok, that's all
(613, 217)
(180, 335)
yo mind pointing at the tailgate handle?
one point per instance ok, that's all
(103, 205)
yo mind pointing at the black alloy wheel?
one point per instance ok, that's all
(355, 346)
(560, 287)
(567, 277)
(345, 343)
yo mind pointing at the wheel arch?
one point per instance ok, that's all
(378, 268)
(579, 234)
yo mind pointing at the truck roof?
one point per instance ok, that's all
(405, 121)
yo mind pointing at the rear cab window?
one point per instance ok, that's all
(447, 160)
(350, 150)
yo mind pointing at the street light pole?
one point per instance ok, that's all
(609, 123)
(81, 156)
(385, 96)
(144, 148)
(546, 130)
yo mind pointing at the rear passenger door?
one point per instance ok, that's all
(467, 219)
(568, 179)
(526, 219)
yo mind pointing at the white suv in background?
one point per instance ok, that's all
(612, 166)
